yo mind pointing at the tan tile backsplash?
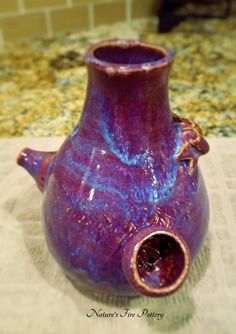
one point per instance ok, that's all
(43, 3)
(70, 19)
(32, 18)
(19, 26)
(107, 13)
(144, 8)
(8, 6)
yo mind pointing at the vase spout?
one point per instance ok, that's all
(36, 163)
(156, 263)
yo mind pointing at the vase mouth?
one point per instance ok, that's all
(127, 56)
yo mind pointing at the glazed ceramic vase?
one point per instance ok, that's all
(125, 209)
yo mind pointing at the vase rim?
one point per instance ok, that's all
(151, 56)
(131, 266)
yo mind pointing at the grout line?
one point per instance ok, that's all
(91, 15)
(128, 11)
(69, 3)
(2, 42)
(21, 6)
(33, 11)
(9, 14)
(48, 23)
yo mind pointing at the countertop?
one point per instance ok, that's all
(43, 81)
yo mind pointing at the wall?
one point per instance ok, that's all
(31, 18)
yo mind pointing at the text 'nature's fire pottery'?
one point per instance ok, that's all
(125, 208)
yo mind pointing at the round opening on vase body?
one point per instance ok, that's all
(159, 264)
(127, 56)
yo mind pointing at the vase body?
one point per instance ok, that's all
(125, 208)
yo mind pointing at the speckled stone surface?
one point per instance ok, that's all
(43, 81)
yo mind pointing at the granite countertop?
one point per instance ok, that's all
(43, 81)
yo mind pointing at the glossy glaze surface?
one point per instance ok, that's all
(127, 173)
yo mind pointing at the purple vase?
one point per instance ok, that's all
(125, 209)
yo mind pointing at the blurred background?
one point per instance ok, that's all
(31, 18)
(43, 75)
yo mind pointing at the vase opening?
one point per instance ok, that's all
(125, 55)
(128, 55)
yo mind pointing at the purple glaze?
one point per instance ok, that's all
(124, 203)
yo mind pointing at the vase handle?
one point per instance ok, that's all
(193, 143)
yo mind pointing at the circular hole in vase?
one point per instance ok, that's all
(161, 261)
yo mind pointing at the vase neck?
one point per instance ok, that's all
(129, 103)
